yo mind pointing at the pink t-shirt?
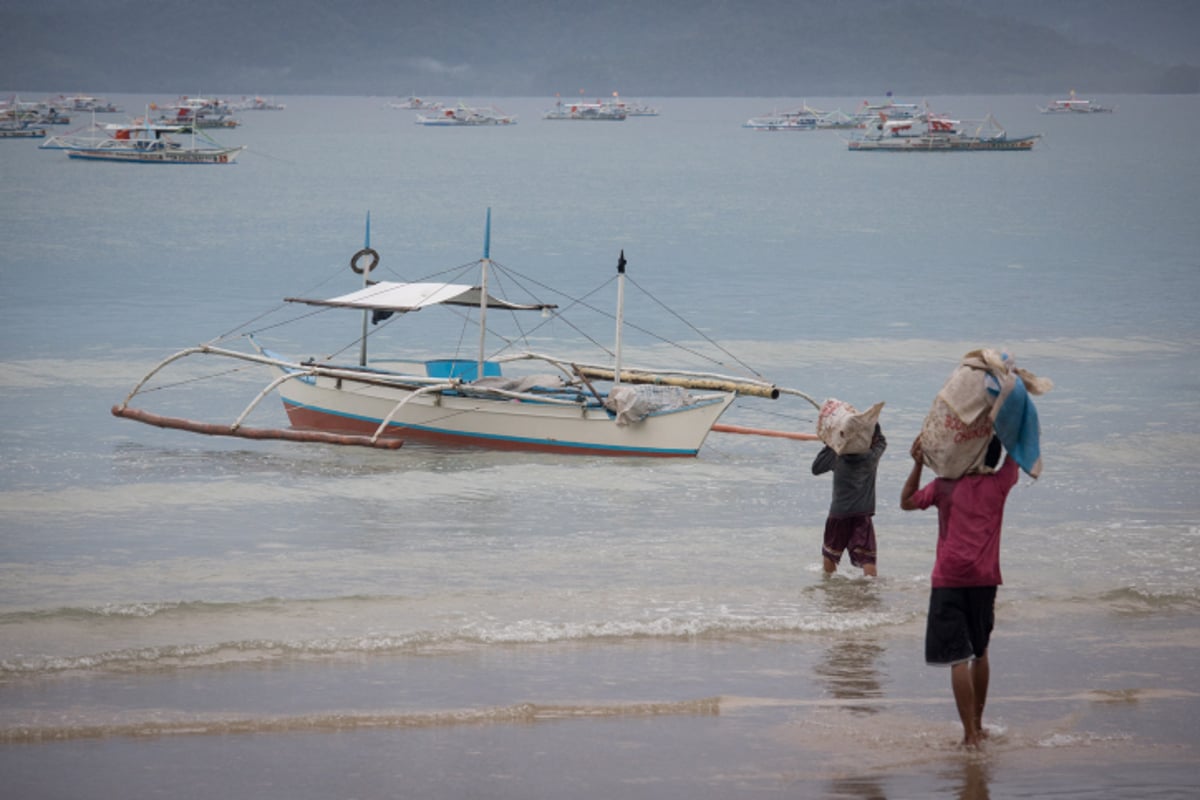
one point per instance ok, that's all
(970, 513)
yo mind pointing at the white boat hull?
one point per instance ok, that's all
(347, 406)
(159, 155)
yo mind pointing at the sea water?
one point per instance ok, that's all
(189, 615)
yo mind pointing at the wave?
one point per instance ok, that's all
(198, 724)
(715, 624)
(1138, 600)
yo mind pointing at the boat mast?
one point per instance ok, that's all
(483, 290)
(620, 315)
(362, 352)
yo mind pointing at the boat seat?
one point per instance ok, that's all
(464, 369)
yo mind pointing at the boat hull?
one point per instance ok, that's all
(159, 155)
(448, 418)
(22, 133)
(934, 145)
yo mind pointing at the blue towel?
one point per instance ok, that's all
(1017, 426)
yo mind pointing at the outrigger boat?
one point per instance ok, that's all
(141, 142)
(937, 134)
(414, 103)
(20, 129)
(466, 115)
(610, 111)
(563, 406)
(1073, 105)
(804, 118)
(83, 102)
(138, 134)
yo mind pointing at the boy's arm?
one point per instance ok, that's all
(824, 460)
(914, 478)
(878, 442)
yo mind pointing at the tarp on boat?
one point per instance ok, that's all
(403, 297)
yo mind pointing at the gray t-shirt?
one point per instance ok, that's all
(853, 476)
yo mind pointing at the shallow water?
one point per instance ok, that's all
(462, 622)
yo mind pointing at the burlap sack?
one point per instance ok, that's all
(951, 447)
(958, 427)
(844, 428)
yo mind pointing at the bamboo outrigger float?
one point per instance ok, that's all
(570, 407)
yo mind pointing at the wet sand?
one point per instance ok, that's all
(852, 715)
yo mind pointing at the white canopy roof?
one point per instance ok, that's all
(392, 296)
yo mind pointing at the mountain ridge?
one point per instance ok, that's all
(539, 47)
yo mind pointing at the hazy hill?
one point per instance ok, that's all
(640, 47)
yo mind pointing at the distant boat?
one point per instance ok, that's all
(417, 104)
(936, 133)
(200, 112)
(868, 112)
(87, 103)
(804, 118)
(257, 104)
(801, 119)
(40, 112)
(638, 109)
(20, 129)
(1073, 105)
(466, 115)
(601, 110)
(142, 142)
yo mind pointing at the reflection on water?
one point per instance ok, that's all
(972, 780)
(967, 779)
(856, 788)
(848, 667)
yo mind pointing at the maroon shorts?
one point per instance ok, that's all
(853, 532)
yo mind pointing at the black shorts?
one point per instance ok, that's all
(959, 625)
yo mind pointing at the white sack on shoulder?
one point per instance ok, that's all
(845, 429)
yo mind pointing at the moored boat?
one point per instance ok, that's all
(142, 142)
(801, 119)
(200, 112)
(20, 129)
(414, 103)
(134, 135)
(257, 104)
(556, 404)
(599, 111)
(936, 133)
(804, 118)
(1074, 105)
(467, 115)
(636, 108)
(87, 103)
(868, 112)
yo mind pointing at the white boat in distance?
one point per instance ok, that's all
(414, 103)
(601, 110)
(1073, 105)
(804, 118)
(467, 115)
(142, 142)
(937, 133)
(134, 135)
(563, 406)
(86, 103)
